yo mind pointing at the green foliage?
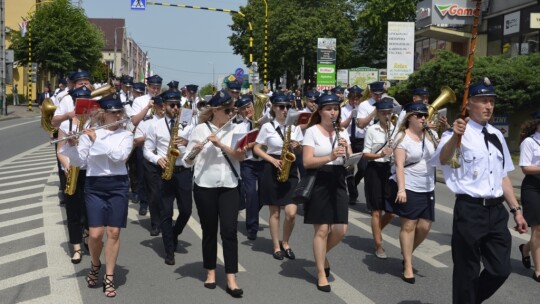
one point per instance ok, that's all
(516, 80)
(100, 72)
(62, 39)
(293, 29)
(207, 89)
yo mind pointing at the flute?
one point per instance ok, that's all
(191, 156)
(75, 135)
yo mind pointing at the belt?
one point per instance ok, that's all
(487, 202)
(178, 169)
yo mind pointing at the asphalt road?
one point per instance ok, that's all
(35, 266)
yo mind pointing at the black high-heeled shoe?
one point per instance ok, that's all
(525, 260)
(76, 261)
(235, 293)
(108, 284)
(92, 276)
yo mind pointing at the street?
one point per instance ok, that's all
(35, 262)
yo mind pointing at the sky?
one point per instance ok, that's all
(187, 45)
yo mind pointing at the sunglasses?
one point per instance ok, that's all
(228, 111)
(282, 107)
(174, 104)
(421, 115)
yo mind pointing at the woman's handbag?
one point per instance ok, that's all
(303, 190)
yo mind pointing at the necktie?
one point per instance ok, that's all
(172, 124)
(353, 127)
(494, 140)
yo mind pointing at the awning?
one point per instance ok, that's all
(443, 34)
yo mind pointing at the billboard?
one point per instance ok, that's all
(400, 51)
(326, 63)
(363, 76)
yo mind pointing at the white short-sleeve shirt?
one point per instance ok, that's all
(322, 145)
(530, 151)
(269, 136)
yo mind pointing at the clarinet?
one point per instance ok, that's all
(336, 129)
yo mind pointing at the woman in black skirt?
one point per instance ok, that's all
(327, 209)
(105, 151)
(529, 161)
(274, 193)
(377, 152)
(414, 179)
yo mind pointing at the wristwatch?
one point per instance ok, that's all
(516, 209)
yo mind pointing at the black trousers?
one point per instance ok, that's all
(61, 174)
(178, 188)
(251, 171)
(142, 188)
(479, 234)
(152, 180)
(76, 211)
(131, 165)
(357, 145)
(218, 206)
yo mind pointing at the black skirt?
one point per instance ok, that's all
(273, 192)
(530, 199)
(329, 203)
(375, 179)
(419, 205)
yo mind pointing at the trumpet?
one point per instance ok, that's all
(75, 135)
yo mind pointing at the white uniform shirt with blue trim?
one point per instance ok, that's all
(481, 172)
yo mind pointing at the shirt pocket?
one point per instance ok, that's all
(473, 164)
(536, 157)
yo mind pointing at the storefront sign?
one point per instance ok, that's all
(502, 124)
(326, 63)
(400, 52)
(453, 12)
(511, 23)
(535, 20)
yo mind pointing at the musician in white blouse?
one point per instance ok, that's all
(215, 186)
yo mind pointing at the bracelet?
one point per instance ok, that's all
(516, 209)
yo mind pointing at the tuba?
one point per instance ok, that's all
(287, 158)
(260, 101)
(47, 112)
(103, 91)
(447, 96)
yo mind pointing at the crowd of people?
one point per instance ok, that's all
(170, 145)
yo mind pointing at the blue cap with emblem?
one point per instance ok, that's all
(482, 88)
(70, 75)
(173, 84)
(154, 80)
(327, 98)
(111, 103)
(421, 92)
(82, 92)
(234, 86)
(312, 94)
(62, 81)
(139, 87)
(244, 100)
(80, 75)
(157, 100)
(221, 98)
(355, 90)
(416, 107)
(376, 87)
(192, 88)
(385, 104)
(127, 81)
(337, 90)
(279, 98)
(171, 95)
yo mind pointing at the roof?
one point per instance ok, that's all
(108, 27)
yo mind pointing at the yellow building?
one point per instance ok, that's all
(16, 10)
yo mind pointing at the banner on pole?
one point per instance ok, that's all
(400, 52)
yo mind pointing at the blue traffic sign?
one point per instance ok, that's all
(138, 5)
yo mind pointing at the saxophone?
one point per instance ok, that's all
(172, 152)
(73, 174)
(287, 157)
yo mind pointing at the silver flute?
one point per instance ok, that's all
(191, 156)
(75, 135)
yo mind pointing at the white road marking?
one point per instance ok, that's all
(23, 278)
(21, 189)
(25, 181)
(22, 254)
(23, 165)
(20, 235)
(19, 198)
(33, 169)
(24, 123)
(21, 220)
(25, 153)
(23, 175)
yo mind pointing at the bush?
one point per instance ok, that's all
(9, 98)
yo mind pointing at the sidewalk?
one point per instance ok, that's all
(20, 111)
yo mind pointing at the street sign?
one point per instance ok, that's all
(138, 5)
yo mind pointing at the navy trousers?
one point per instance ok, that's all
(250, 171)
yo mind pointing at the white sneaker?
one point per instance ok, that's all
(381, 255)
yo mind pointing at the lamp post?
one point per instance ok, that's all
(265, 66)
(115, 42)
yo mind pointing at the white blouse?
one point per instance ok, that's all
(64, 127)
(376, 138)
(158, 138)
(530, 151)
(322, 145)
(269, 136)
(211, 169)
(106, 156)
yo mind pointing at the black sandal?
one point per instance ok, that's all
(109, 284)
(85, 240)
(92, 276)
(76, 261)
(525, 260)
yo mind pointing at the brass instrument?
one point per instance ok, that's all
(47, 112)
(75, 135)
(73, 173)
(447, 96)
(344, 102)
(259, 103)
(191, 156)
(172, 152)
(287, 157)
(103, 91)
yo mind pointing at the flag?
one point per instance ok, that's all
(23, 26)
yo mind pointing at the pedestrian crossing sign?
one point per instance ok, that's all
(138, 4)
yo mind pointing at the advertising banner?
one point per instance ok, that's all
(400, 53)
(342, 78)
(326, 76)
(326, 63)
(363, 76)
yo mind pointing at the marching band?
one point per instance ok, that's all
(167, 147)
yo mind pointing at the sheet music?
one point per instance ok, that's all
(185, 116)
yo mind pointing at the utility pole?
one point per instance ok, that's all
(3, 56)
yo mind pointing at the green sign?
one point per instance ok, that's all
(326, 75)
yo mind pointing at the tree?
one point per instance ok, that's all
(293, 29)
(373, 17)
(62, 39)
